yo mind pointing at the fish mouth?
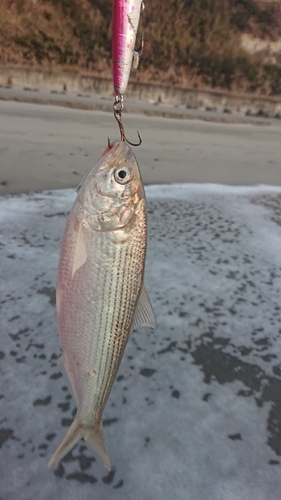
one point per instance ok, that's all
(113, 145)
(121, 148)
(108, 148)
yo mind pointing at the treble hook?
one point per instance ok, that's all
(117, 110)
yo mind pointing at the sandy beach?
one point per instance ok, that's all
(47, 147)
(195, 411)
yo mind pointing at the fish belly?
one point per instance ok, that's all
(100, 276)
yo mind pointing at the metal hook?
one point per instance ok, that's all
(117, 108)
(139, 50)
(138, 53)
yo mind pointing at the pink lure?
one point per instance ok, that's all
(126, 14)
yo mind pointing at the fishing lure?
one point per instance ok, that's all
(126, 15)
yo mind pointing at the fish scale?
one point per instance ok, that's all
(100, 291)
(110, 342)
(118, 325)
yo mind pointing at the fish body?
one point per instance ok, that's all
(100, 291)
(126, 14)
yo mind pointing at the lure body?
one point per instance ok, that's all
(126, 14)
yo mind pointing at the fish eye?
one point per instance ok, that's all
(122, 175)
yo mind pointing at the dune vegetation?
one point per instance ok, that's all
(190, 43)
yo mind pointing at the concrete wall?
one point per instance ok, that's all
(150, 92)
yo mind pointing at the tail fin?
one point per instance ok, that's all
(94, 440)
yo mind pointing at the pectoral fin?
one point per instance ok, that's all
(80, 252)
(144, 315)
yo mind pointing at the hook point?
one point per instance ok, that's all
(117, 115)
(118, 107)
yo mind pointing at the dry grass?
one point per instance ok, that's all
(187, 42)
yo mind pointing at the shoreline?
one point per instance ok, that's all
(98, 102)
(51, 147)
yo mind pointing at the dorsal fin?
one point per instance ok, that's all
(144, 315)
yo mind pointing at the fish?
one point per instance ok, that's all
(126, 15)
(100, 292)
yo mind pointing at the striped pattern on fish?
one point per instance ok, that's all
(100, 291)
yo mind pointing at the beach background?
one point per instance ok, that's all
(47, 146)
(195, 411)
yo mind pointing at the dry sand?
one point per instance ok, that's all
(45, 147)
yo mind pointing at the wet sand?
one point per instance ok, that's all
(195, 409)
(49, 147)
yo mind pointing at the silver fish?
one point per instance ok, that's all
(100, 291)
